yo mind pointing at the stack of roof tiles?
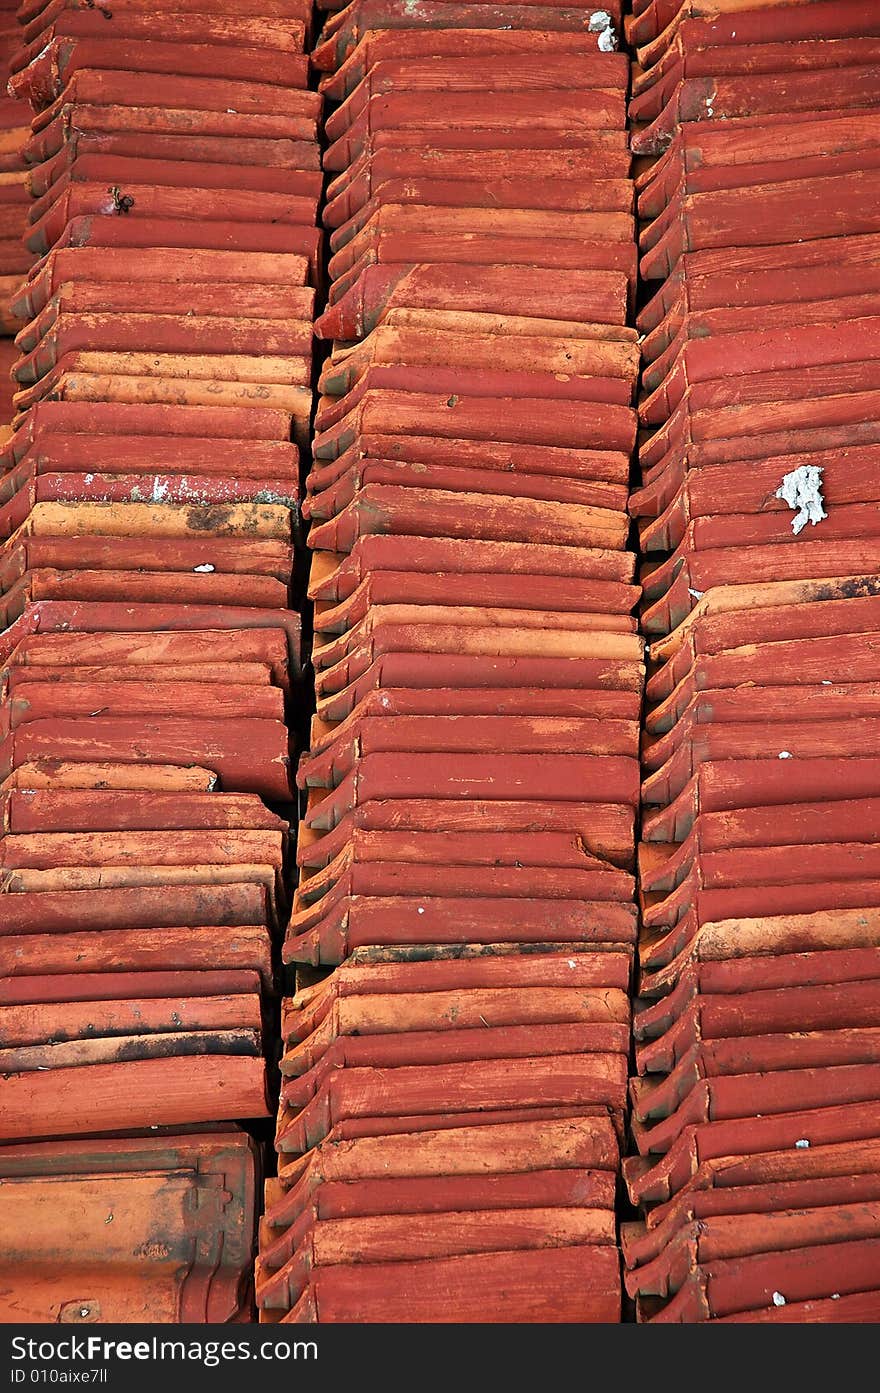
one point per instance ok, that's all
(15, 259)
(152, 1228)
(453, 1092)
(148, 647)
(756, 1110)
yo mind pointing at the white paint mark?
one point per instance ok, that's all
(802, 491)
(778, 1298)
(696, 594)
(602, 24)
(803, 1144)
(204, 569)
(420, 910)
(785, 754)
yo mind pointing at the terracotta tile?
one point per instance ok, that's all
(250, 757)
(326, 1245)
(708, 277)
(469, 466)
(328, 937)
(732, 1184)
(144, 1183)
(360, 305)
(712, 219)
(743, 1284)
(62, 810)
(39, 700)
(40, 11)
(589, 1193)
(78, 949)
(163, 160)
(469, 72)
(467, 775)
(575, 1283)
(500, 350)
(525, 179)
(489, 104)
(707, 156)
(733, 1284)
(574, 703)
(309, 1109)
(857, 1308)
(76, 269)
(603, 829)
(408, 50)
(153, 848)
(158, 23)
(346, 29)
(147, 420)
(693, 52)
(109, 378)
(762, 1013)
(113, 87)
(481, 671)
(774, 22)
(25, 996)
(150, 122)
(165, 336)
(526, 421)
(74, 196)
(25, 554)
(118, 233)
(93, 776)
(489, 589)
(434, 1048)
(389, 508)
(798, 347)
(64, 617)
(53, 61)
(681, 494)
(229, 1086)
(127, 648)
(396, 233)
(462, 736)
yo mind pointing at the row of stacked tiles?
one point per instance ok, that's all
(162, 378)
(756, 1109)
(428, 834)
(454, 1065)
(15, 258)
